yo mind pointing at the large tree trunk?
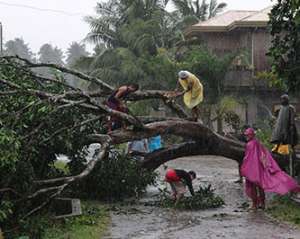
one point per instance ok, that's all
(203, 141)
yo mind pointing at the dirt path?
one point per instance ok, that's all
(229, 222)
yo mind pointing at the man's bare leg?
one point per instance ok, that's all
(240, 180)
(174, 192)
(178, 198)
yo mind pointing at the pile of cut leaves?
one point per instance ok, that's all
(204, 198)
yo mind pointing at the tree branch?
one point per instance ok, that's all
(92, 105)
(70, 128)
(78, 74)
(89, 167)
(159, 94)
(45, 203)
(107, 89)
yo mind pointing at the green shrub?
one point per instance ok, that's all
(264, 134)
(5, 210)
(284, 209)
(115, 178)
(204, 198)
(9, 148)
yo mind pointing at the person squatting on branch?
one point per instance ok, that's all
(192, 92)
(116, 102)
(262, 173)
(178, 180)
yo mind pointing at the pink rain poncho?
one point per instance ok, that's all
(260, 169)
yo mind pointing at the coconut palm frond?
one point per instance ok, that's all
(199, 8)
(106, 59)
(100, 31)
(83, 63)
(202, 14)
(109, 75)
(215, 8)
(183, 7)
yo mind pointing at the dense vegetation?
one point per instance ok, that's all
(285, 50)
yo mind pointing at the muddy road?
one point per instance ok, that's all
(232, 221)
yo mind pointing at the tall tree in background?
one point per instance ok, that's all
(74, 52)
(199, 10)
(18, 47)
(119, 21)
(50, 54)
(285, 50)
(136, 35)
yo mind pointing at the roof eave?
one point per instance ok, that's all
(193, 29)
(240, 24)
(250, 24)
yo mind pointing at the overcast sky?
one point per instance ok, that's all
(65, 23)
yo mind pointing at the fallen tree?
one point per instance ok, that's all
(48, 112)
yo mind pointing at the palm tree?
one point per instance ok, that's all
(104, 27)
(134, 34)
(215, 8)
(75, 52)
(199, 9)
(115, 16)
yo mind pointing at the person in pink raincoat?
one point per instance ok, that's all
(262, 173)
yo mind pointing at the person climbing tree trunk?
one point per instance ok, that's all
(116, 102)
(192, 92)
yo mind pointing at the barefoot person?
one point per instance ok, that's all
(178, 180)
(115, 102)
(262, 173)
(192, 92)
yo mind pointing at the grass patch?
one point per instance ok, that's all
(91, 224)
(286, 210)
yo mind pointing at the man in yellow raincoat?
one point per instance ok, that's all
(192, 92)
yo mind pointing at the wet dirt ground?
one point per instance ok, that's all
(231, 221)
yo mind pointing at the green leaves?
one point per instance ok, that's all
(113, 179)
(9, 148)
(5, 210)
(273, 80)
(285, 49)
(204, 198)
(199, 8)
